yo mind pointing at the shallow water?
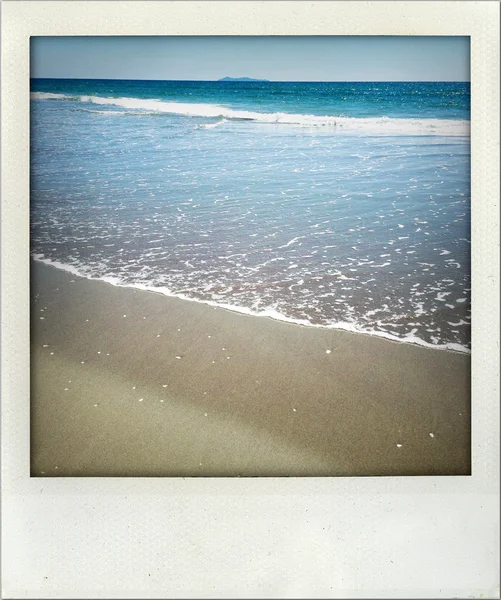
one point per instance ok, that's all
(336, 205)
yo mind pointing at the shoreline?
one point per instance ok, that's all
(244, 311)
(126, 383)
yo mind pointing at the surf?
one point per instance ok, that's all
(270, 312)
(341, 124)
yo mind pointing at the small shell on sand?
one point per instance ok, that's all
(399, 445)
(431, 435)
(164, 385)
(140, 399)
(294, 409)
(328, 351)
(65, 389)
(178, 357)
(46, 345)
(52, 353)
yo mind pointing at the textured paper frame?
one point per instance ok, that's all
(408, 537)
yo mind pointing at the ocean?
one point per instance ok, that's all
(339, 205)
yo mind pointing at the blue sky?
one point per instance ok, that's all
(315, 58)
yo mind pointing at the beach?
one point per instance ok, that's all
(257, 278)
(127, 382)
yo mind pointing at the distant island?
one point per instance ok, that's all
(242, 79)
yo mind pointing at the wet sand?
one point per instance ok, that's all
(133, 383)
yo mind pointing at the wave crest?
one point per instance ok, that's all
(362, 125)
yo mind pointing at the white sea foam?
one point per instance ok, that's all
(270, 312)
(212, 125)
(366, 126)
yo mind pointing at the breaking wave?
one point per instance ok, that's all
(366, 126)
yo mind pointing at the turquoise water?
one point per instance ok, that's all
(327, 204)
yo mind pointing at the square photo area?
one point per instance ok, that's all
(250, 256)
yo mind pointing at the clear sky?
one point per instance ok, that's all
(315, 58)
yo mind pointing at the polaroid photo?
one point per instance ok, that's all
(250, 299)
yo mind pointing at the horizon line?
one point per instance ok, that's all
(256, 80)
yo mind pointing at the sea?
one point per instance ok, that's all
(334, 205)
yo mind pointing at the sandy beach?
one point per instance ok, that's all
(127, 382)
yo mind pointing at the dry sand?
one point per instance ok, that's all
(132, 383)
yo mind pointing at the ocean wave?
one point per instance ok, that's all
(361, 125)
(270, 312)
